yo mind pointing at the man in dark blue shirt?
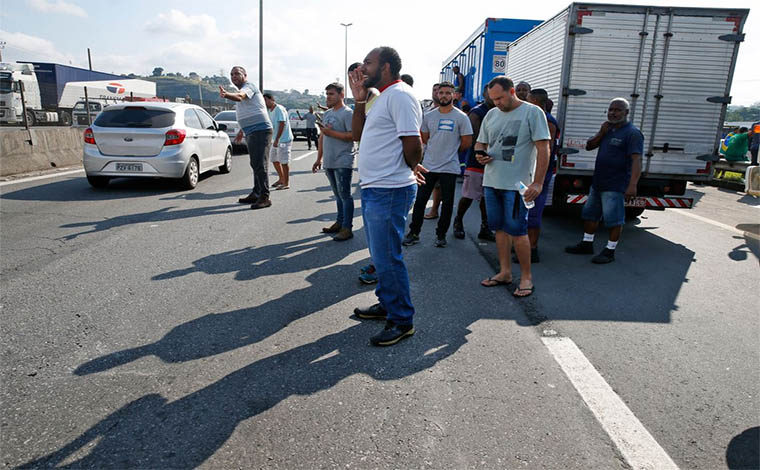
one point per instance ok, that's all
(616, 174)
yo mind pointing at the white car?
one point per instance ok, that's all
(154, 139)
(234, 132)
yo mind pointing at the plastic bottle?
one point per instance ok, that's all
(521, 188)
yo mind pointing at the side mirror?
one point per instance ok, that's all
(221, 127)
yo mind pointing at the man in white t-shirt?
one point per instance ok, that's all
(281, 143)
(389, 157)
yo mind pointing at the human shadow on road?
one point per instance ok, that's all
(153, 432)
(159, 215)
(749, 244)
(743, 451)
(326, 217)
(76, 189)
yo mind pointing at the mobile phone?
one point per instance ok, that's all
(481, 152)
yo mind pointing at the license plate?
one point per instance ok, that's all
(636, 202)
(129, 167)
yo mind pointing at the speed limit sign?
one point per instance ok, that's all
(499, 64)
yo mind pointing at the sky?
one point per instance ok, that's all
(303, 39)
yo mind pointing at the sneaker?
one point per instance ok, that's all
(458, 229)
(368, 278)
(582, 248)
(370, 268)
(411, 239)
(374, 312)
(261, 203)
(606, 256)
(334, 228)
(392, 334)
(440, 242)
(343, 235)
(533, 256)
(251, 198)
(486, 234)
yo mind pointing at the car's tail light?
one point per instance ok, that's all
(175, 137)
(89, 136)
(239, 137)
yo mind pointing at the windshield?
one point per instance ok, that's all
(135, 116)
(226, 116)
(6, 84)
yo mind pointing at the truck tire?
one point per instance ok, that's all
(192, 173)
(633, 212)
(65, 118)
(98, 181)
(30, 120)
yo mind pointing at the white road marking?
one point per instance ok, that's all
(638, 447)
(304, 155)
(43, 177)
(717, 224)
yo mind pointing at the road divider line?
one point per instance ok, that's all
(718, 224)
(638, 447)
(304, 155)
(41, 177)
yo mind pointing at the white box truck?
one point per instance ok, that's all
(673, 64)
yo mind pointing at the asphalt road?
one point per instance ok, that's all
(148, 327)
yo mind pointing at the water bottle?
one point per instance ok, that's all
(521, 188)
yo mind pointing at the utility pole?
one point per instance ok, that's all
(345, 57)
(89, 58)
(261, 45)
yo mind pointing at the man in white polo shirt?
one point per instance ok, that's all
(390, 149)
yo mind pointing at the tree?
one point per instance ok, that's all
(193, 76)
(306, 91)
(179, 74)
(158, 71)
(131, 75)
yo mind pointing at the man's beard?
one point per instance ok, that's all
(444, 102)
(373, 80)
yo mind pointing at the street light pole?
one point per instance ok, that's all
(345, 61)
(261, 45)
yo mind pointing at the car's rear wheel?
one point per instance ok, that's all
(227, 167)
(192, 173)
(98, 181)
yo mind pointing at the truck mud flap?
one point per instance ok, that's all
(645, 202)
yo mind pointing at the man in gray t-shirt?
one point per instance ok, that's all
(446, 131)
(311, 125)
(335, 153)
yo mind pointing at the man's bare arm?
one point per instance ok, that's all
(344, 136)
(425, 137)
(465, 142)
(232, 96)
(542, 164)
(412, 146)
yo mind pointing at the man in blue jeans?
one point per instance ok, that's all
(616, 175)
(335, 153)
(253, 118)
(389, 155)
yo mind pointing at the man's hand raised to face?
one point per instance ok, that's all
(356, 82)
(222, 93)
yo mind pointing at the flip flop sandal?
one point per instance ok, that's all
(279, 188)
(430, 217)
(529, 291)
(494, 282)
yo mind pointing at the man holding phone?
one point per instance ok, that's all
(513, 145)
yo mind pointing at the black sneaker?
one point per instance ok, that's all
(606, 256)
(411, 239)
(486, 234)
(582, 248)
(533, 256)
(374, 312)
(392, 334)
(251, 198)
(440, 242)
(458, 229)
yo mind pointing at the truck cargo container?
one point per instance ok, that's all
(673, 64)
(483, 55)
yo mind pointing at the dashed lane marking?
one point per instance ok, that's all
(304, 155)
(637, 446)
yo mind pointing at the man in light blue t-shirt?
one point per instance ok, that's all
(513, 145)
(283, 140)
(254, 120)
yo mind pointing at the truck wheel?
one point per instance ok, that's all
(633, 212)
(65, 118)
(190, 179)
(30, 121)
(227, 167)
(98, 181)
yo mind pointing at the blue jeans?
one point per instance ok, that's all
(506, 211)
(385, 211)
(340, 182)
(607, 205)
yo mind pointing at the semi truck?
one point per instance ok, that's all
(483, 55)
(52, 90)
(673, 65)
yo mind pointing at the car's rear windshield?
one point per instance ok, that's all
(226, 116)
(135, 116)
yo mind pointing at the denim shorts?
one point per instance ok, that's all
(607, 205)
(506, 211)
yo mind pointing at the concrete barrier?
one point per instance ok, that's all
(51, 148)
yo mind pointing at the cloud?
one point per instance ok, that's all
(21, 46)
(57, 6)
(176, 22)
